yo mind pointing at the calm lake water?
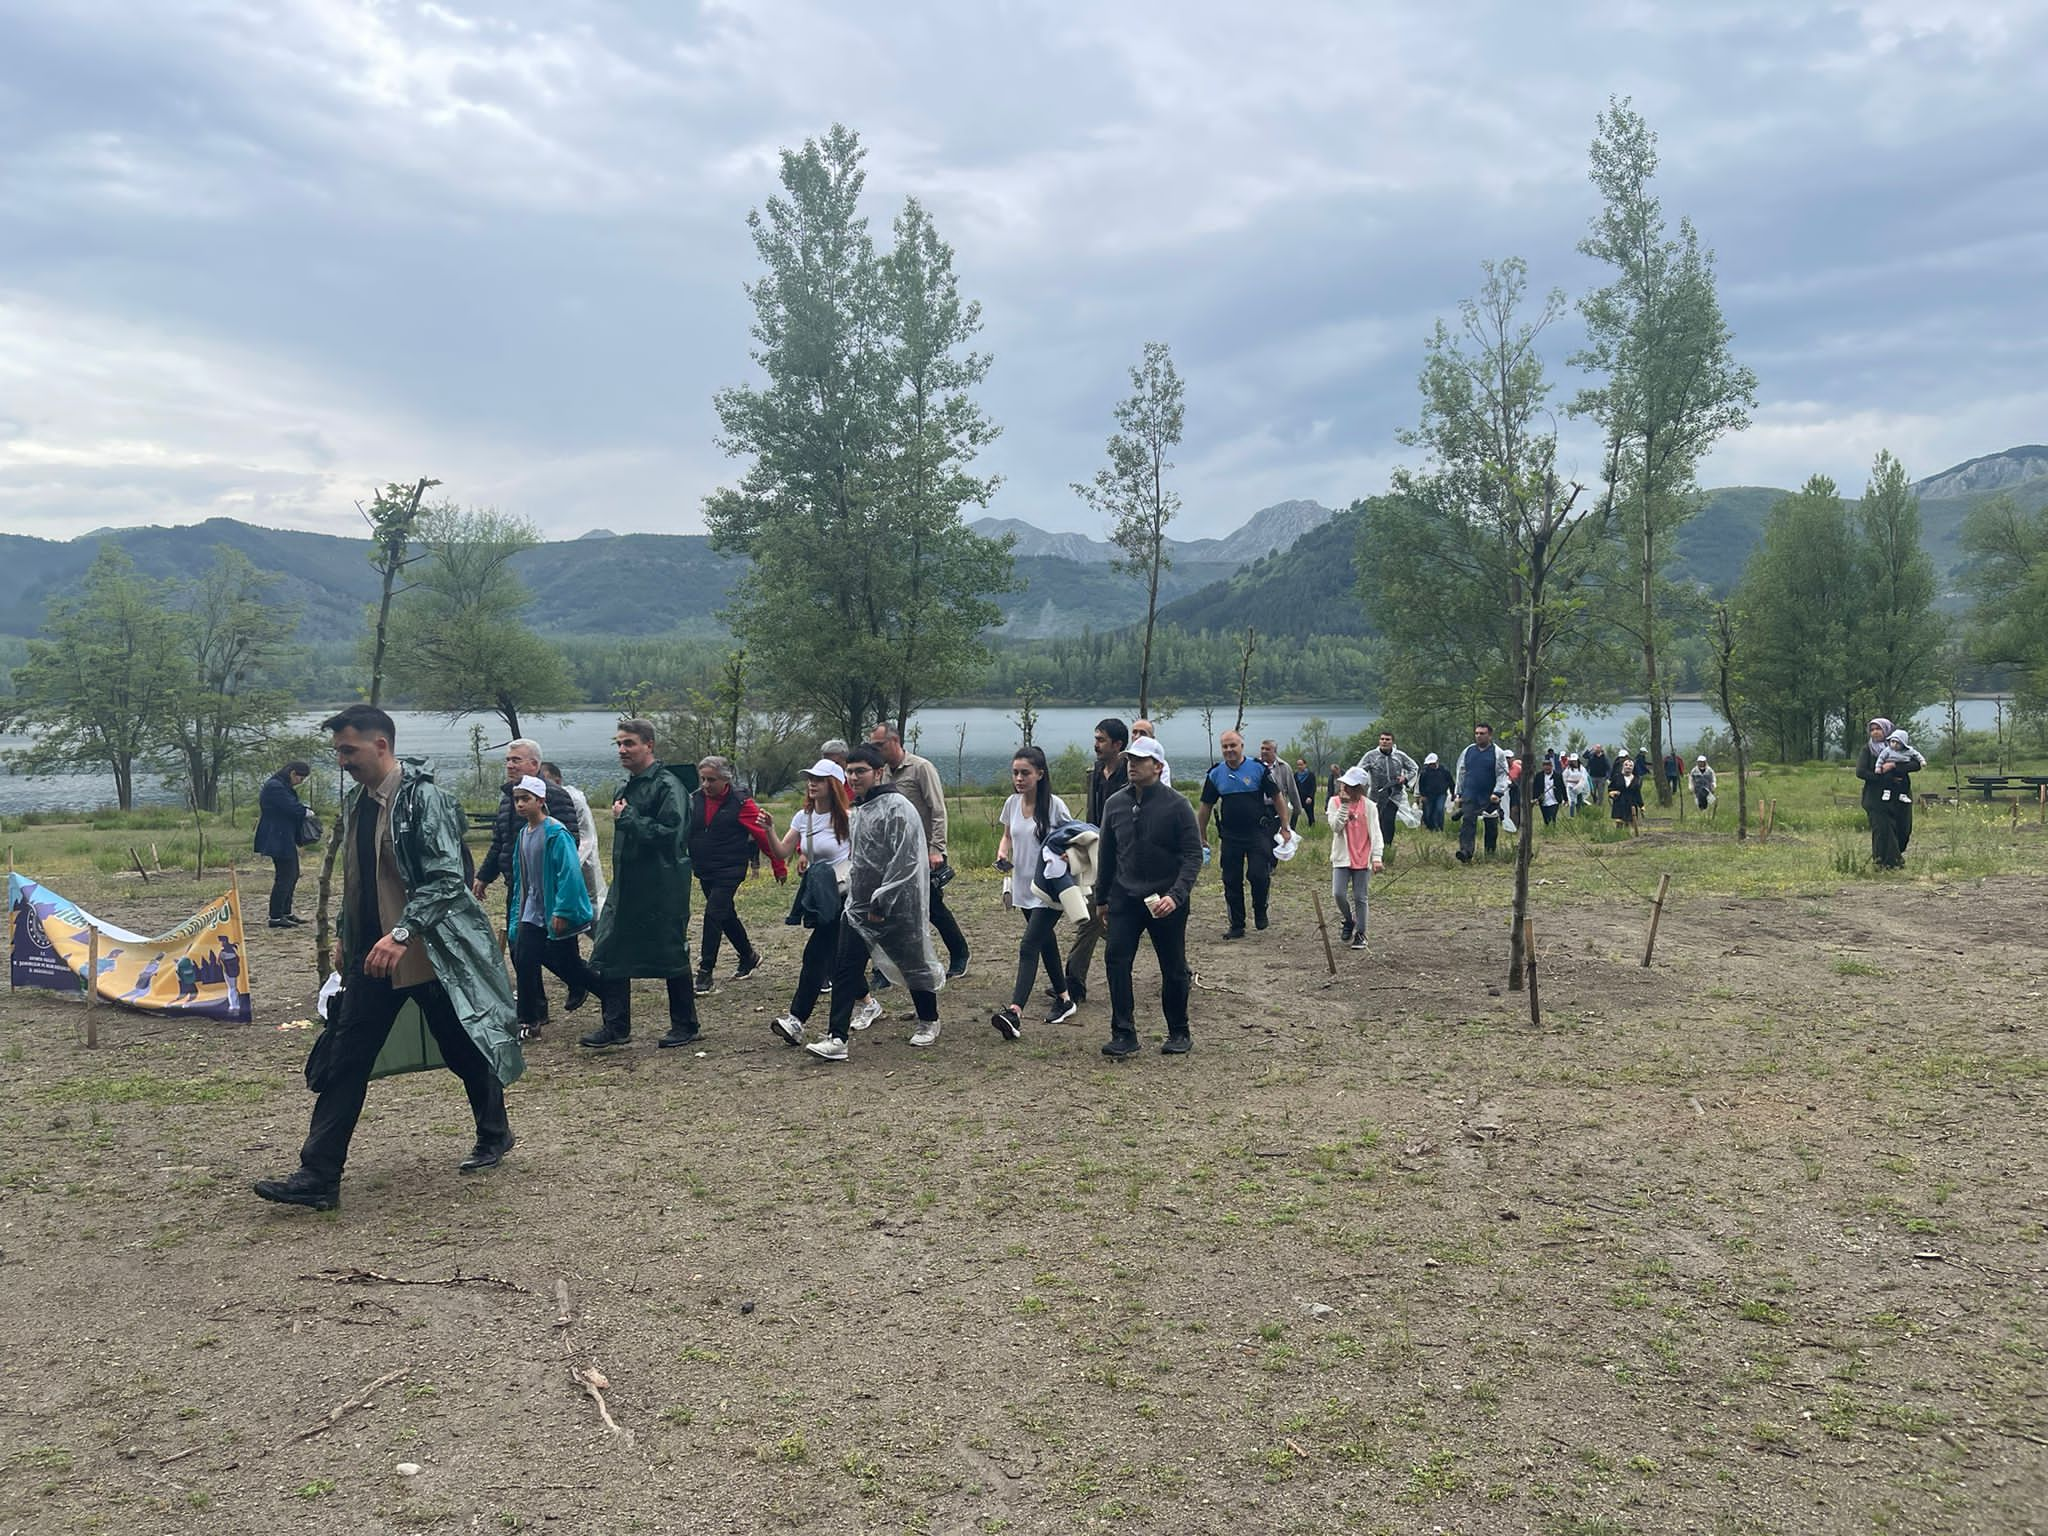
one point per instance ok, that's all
(580, 741)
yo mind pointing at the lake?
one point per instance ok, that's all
(580, 742)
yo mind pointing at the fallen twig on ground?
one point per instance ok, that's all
(377, 1277)
(360, 1400)
(593, 1382)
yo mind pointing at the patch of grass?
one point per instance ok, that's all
(160, 1091)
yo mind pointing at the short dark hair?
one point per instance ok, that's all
(364, 720)
(1115, 730)
(634, 725)
(551, 770)
(867, 753)
(1481, 725)
(303, 770)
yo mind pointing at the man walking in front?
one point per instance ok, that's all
(1109, 776)
(1389, 771)
(918, 782)
(411, 932)
(1146, 862)
(645, 927)
(1482, 791)
(726, 829)
(1247, 802)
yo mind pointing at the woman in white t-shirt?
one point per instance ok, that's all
(1027, 816)
(820, 834)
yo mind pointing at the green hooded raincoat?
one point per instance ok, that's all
(644, 929)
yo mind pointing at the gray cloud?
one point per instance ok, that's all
(256, 258)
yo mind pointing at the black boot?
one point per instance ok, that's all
(302, 1188)
(684, 1033)
(607, 1035)
(1123, 1041)
(1178, 1043)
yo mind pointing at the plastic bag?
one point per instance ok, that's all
(1408, 812)
(1285, 847)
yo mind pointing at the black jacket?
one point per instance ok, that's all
(721, 848)
(1100, 789)
(505, 830)
(1148, 848)
(283, 813)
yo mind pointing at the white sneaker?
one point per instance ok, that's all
(789, 1028)
(927, 1034)
(831, 1048)
(866, 1014)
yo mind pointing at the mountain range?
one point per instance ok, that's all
(1287, 569)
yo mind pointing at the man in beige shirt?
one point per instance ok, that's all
(918, 782)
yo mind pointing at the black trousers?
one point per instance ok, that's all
(615, 997)
(1129, 918)
(1549, 809)
(283, 883)
(535, 950)
(821, 953)
(1699, 797)
(1468, 830)
(1038, 947)
(721, 919)
(850, 984)
(1891, 830)
(947, 926)
(1242, 862)
(1390, 818)
(1082, 951)
(347, 1050)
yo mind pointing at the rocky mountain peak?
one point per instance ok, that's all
(1988, 472)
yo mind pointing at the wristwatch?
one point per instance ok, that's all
(401, 934)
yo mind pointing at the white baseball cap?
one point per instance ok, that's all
(825, 768)
(1146, 746)
(1355, 777)
(535, 786)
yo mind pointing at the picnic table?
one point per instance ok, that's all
(1989, 784)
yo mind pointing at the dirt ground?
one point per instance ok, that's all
(1751, 1241)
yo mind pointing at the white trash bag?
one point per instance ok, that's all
(1285, 847)
(1408, 811)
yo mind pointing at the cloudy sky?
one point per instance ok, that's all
(256, 258)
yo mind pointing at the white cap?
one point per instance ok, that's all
(1355, 777)
(1146, 746)
(1701, 758)
(1430, 758)
(825, 768)
(535, 786)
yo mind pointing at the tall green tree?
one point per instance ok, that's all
(236, 637)
(459, 642)
(1897, 634)
(1131, 491)
(1671, 386)
(1487, 538)
(937, 429)
(105, 676)
(865, 591)
(1795, 611)
(2007, 579)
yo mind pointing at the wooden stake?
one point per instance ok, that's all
(1529, 959)
(199, 862)
(1657, 916)
(1763, 833)
(1323, 926)
(92, 987)
(136, 858)
(2044, 804)
(156, 858)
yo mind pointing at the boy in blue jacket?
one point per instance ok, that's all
(546, 906)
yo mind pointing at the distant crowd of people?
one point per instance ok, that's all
(868, 850)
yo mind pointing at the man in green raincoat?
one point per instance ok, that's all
(644, 929)
(411, 931)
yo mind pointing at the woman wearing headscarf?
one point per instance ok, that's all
(1625, 792)
(1886, 766)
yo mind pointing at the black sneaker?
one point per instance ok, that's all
(487, 1154)
(1062, 1010)
(1345, 936)
(678, 1035)
(1122, 1042)
(278, 922)
(1233, 933)
(1007, 1024)
(956, 967)
(1259, 922)
(302, 1188)
(604, 1035)
(704, 983)
(576, 998)
(1177, 1044)
(293, 920)
(747, 967)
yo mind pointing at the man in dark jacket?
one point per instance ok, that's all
(1433, 786)
(1108, 776)
(1247, 801)
(1305, 788)
(282, 817)
(727, 829)
(411, 932)
(1482, 791)
(645, 927)
(1598, 768)
(1146, 862)
(522, 760)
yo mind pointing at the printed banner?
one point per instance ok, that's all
(196, 967)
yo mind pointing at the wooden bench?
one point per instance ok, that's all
(1989, 784)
